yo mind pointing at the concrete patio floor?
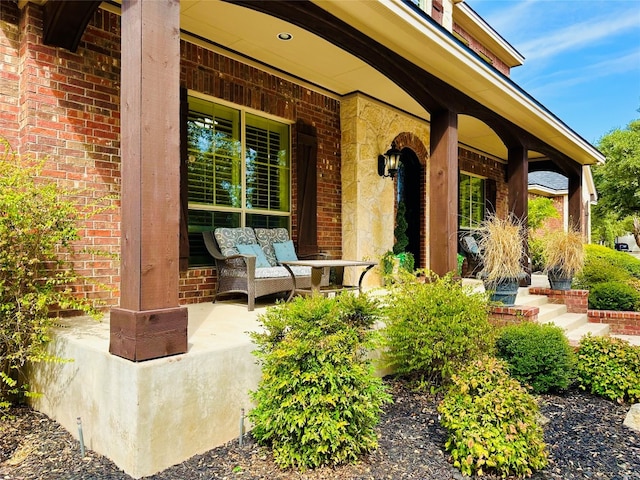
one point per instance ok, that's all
(150, 415)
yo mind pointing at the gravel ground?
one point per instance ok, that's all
(585, 438)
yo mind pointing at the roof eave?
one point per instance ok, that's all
(400, 27)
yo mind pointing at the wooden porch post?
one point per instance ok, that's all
(518, 184)
(149, 322)
(576, 209)
(443, 184)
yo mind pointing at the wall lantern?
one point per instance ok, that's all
(388, 163)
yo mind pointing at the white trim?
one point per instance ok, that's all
(516, 57)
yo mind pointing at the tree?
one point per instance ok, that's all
(618, 179)
(540, 209)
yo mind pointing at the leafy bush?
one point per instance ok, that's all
(614, 296)
(539, 210)
(434, 328)
(491, 421)
(609, 367)
(318, 401)
(394, 265)
(598, 270)
(38, 224)
(535, 253)
(537, 355)
(612, 278)
(620, 264)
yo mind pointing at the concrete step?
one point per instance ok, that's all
(549, 311)
(595, 329)
(575, 325)
(568, 321)
(525, 298)
(632, 339)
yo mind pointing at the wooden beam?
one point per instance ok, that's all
(517, 180)
(443, 186)
(149, 322)
(66, 20)
(518, 185)
(576, 208)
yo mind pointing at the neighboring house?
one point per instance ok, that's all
(555, 186)
(204, 113)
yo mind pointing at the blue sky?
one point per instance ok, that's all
(582, 57)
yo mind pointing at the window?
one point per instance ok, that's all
(224, 189)
(471, 201)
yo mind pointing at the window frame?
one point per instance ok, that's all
(470, 224)
(243, 211)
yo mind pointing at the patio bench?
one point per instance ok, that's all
(248, 261)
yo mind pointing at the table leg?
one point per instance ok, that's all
(293, 278)
(316, 279)
(362, 276)
(339, 271)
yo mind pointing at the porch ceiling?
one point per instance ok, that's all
(314, 60)
(322, 65)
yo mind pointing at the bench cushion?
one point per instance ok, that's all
(267, 237)
(228, 238)
(272, 272)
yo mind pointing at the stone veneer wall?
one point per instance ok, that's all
(368, 200)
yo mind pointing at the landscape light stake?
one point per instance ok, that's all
(241, 426)
(80, 437)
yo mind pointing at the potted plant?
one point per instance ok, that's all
(398, 258)
(563, 255)
(502, 245)
(391, 263)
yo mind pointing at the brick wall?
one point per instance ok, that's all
(621, 323)
(62, 108)
(514, 315)
(9, 73)
(483, 51)
(481, 165)
(576, 301)
(224, 78)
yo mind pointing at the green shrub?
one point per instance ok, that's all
(318, 401)
(491, 422)
(433, 328)
(536, 245)
(614, 296)
(605, 264)
(38, 225)
(609, 367)
(598, 270)
(538, 355)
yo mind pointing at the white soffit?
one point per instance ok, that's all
(399, 27)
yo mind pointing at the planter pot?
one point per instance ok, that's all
(558, 281)
(504, 290)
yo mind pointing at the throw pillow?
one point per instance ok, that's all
(254, 249)
(285, 251)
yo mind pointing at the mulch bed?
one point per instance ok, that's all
(585, 438)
